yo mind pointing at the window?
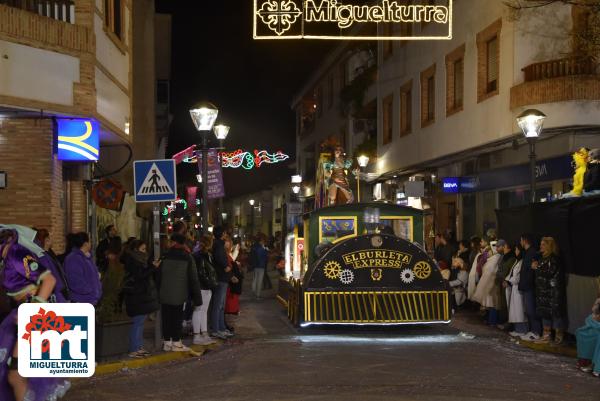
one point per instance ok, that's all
(492, 64)
(428, 96)
(319, 101)
(455, 71)
(488, 61)
(113, 17)
(388, 45)
(330, 92)
(388, 115)
(406, 109)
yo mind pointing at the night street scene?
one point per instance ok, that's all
(299, 200)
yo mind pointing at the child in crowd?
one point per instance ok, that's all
(588, 342)
(460, 284)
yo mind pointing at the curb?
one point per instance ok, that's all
(551, 349)
(163, 357)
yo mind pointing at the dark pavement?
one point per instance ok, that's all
(270, 360)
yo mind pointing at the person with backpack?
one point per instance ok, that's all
(178, 277)
(208, 282)
(258, 263)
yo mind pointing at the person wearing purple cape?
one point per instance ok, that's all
(25, 280)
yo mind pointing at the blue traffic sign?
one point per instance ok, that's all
(155, 180)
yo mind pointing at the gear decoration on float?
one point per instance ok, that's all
(347, 276)
(422, 270)
(332, 270)
(407, 276)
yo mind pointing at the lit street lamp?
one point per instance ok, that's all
(251, 202)
(221, 132)
(296, 182)
(531, 121)
(204, 116)
(363, 161)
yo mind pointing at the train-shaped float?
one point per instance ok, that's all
(362, 264)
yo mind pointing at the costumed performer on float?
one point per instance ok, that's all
(580, 159)
(24, 279)
(336, 177)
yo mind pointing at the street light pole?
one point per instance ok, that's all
(204, 152)
(532, 171)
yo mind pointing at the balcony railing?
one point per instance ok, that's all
(61, 10)
(559, 68)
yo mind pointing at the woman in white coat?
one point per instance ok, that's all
(473, 278)
(486, 293)
(514, 298)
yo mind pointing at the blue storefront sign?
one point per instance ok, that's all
(77, 140)
(557, 168)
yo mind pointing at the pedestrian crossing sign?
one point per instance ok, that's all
(155, 180)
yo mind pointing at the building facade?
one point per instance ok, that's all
(70, 60)
(447, 111)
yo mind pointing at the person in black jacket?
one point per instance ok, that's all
(141, 297)
(178, 279)
(208, 282)
(103, 246)
(224, 274)
(527, 288)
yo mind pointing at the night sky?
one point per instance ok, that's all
(251, 82)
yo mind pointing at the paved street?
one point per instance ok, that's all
(270, 360)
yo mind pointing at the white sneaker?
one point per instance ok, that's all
(219, 335)
(530, 337)
(179, 347)
(227, 333)
(203, 340)
(167, 346)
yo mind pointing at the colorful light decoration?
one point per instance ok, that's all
(239, 158)
(171, 206)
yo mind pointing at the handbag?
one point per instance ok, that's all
(207, 274)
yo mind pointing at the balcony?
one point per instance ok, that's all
(567, 79)
(559, 68)
(61, 10)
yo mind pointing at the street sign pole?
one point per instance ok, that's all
(156, 243)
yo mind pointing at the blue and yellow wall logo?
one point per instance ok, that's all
(78, 140)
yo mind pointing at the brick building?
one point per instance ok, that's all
(84, 59)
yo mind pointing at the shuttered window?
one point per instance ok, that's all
(430, 98)
(458, 83)
(492, 64)
(113, 16)
(406, 109)
(388, 115)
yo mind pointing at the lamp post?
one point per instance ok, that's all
(531, 122)
(204, 116)
(221, 132)
(363, 161)
(251, 202)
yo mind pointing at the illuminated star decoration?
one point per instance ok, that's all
(279, 15)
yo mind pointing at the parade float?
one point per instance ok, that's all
(359, 263)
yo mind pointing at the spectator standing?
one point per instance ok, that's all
(258, 262)
(208, 282)
(51, 262)
(506, 262)
(486, 293)
(459, 284)
(232, 303)
(178, 277)
(101, 258)
(141, 297)
(224, 274)
(527, 288)
(514, 298)
(549, 291)
(81, 272)
(588, 342)
(475, 250)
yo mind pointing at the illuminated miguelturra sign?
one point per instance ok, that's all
(353, 19)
